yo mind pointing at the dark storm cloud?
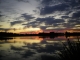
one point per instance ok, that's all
(15, 22)
(65, 17)
(68, 12)
(50, 6)
(74, 22)
(27, 17)
(1, 1)
(46, 2)
(71, 23)
(1, 15)
(51, 9)
(73, 3)
(50, 2)
(33, 24)
(50, 20)
(76, 15)
(43, 27)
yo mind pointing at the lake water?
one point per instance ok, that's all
(31, 47)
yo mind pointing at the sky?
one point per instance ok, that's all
(37, 15)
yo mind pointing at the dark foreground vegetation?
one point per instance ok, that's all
(70, 51)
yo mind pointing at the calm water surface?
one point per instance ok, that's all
(31, 47)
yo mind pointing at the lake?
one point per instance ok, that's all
(31, 47)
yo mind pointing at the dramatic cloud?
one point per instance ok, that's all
(74, 22)
(51, 6)
(76, 15)
(5, 29)
(16, 22)
(73, 3)
(26, 1)
(50, 20)
(52, 9)
(27, 17)
(46, 22)
(1, 15)
(40, 13)
(65, 17)
(46, 2)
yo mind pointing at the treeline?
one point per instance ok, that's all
(52, 34)
(7, 34)
(72, 34)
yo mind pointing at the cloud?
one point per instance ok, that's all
(5, 29)
(1, 15)
(43, 27)
(0, 25)
(73, 3)
(52, 9)
(45, 46)
(50, 6)
(50, 20)
(76, 15)
(16, 48)
(65, 17)
(27, 17)
(71, 23)
(26, 1)
(33, 24)
(74, 22)
(43, 23)
(27, 53)
(43, 56)
(16, 22)
(46, 2)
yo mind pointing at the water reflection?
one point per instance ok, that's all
(31, 47)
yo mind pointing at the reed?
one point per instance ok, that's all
(70, 51)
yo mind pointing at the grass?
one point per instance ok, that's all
(70, 51)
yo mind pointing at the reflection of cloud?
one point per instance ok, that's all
(49, 48)
(16, 48)
(43, 56)
(45, 47)
(28, 53)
